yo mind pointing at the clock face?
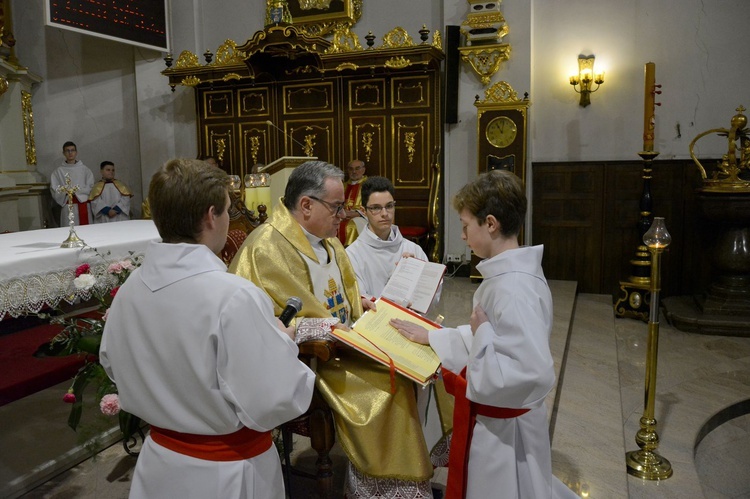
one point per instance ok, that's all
(501, 132)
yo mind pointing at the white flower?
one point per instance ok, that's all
(84, 281)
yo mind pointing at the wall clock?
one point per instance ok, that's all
(501, 132)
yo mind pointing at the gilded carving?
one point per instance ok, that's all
(314, 4)
(28, 127)
(437, 40)
(397, 37)
(310, 145)
(187, 60)
(367, 145)
(346, 65)
(344, 40)
(398, 62)
(294, 96)
(254, 148)
(227, 54)
(190, 81)
(485, 59)
(406, 88)
(410, 141)
(501, 93)
(323, 24)
(231, 76)
(220, 146)
(307, 69)
(360, 95)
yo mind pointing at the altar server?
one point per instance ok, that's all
(198, 354)
(80, 176)
(499, 366)
(110, 198)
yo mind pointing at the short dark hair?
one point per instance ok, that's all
(309, 179)
(499, 193)
(105, 163)
(376, 184)
(69, 143)
(180, 195)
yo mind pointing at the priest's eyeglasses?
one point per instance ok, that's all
(336, 209)
(377, 209)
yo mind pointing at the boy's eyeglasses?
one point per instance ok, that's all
(337, 209)
(377, 209)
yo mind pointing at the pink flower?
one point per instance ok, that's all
(69, 398)
(82, 269)
(113, 293)
(127, 265)
(110, 404)
(115, 268)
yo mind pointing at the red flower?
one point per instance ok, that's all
(82, 269)
(114, 291)
(69, 398)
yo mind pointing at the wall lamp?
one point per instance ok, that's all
(585, 78)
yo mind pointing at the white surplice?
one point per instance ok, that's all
(110, 198)
(374, 259)
(81, 176)
(509, 364)
(196, 349)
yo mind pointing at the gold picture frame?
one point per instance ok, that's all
(319, 17)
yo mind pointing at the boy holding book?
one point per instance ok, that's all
(499, 366)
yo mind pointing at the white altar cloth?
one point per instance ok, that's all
(36, 272)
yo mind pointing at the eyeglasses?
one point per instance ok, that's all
(376, 209)
(337, 209)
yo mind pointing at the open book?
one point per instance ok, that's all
(375, 337)
(414, 283)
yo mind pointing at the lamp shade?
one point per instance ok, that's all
(657, 236)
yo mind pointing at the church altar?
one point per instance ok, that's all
(35, 272)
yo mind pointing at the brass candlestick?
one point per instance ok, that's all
(646, 463)
(73, 241)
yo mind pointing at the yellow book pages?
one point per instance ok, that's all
(374, 336)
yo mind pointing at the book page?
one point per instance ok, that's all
(400, 286)
(412, 357)
(428, 284)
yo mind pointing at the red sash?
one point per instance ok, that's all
(83, 211)
(464, 418)
(242, 444)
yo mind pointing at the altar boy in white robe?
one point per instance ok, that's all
(499, 366)
(198, 353)
(110, 198)
(80, 176)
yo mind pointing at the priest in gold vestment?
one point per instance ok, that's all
(296, 253)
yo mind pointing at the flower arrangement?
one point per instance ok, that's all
(83, 335)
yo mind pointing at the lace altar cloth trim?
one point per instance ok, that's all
(31, 293)
(311, 328)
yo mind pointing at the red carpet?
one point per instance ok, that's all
(21, 373)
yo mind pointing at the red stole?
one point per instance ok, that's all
(83, 211)
(464, 418)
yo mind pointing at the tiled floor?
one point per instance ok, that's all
(702, 391)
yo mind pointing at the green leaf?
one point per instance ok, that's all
(90, 344)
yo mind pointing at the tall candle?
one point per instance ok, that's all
(251, 198)
(264, 197)
(648, 110)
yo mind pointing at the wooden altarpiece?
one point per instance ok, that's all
(287, 93)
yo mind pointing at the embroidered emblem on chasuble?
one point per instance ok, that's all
(335, 302)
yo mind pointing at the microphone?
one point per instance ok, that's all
(271, 123)
(293, 306)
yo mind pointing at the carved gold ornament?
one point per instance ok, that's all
(346, 65)
(187, 60)
(410, 141)
(501, 93)
(437, 40)
(231, 76)
(314, 4)
(397, 37)
(367, 145)
(344, 40)
(190, 81)
(228, 55)
(310, 145)
(485, 60)
(398, 62)
(254, 148)
(221, 146)
(28, 128)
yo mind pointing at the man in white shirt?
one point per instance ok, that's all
(80, 176)
(197, 353)
(110, 198)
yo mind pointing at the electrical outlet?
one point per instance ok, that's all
(454, 258)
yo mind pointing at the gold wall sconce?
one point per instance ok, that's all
(585, 77)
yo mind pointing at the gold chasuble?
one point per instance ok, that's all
(379, 432)
(348, 232)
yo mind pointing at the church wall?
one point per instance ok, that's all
(111, 99)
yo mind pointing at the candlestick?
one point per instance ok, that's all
(648, 110)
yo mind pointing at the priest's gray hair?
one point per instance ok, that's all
(309, 179)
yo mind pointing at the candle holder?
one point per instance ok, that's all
(646, 463)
